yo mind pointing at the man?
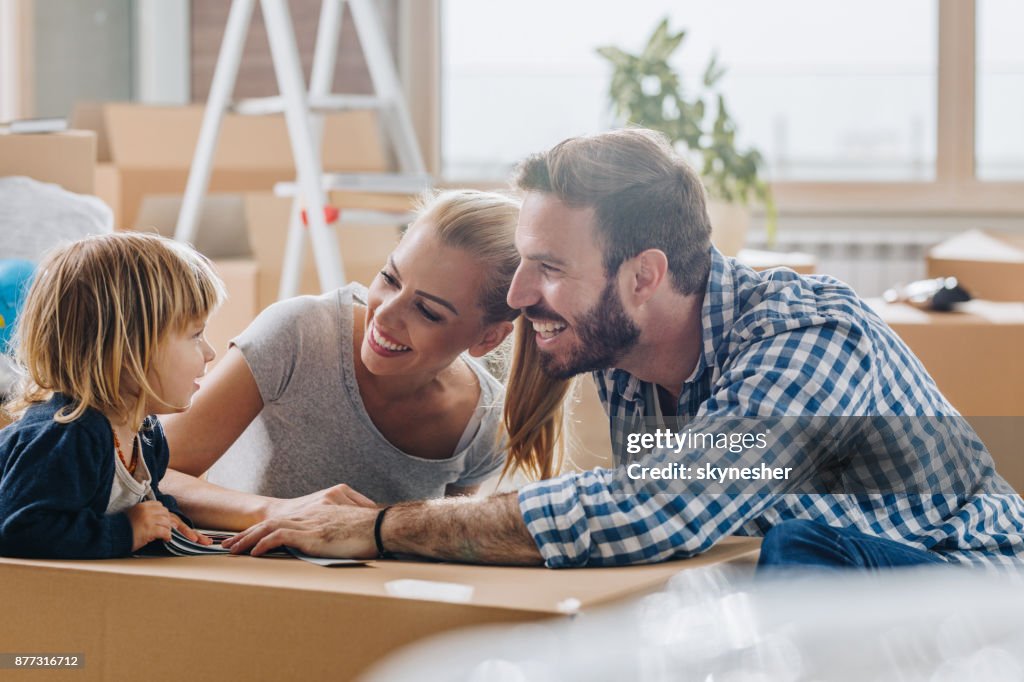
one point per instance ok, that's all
(618, 278)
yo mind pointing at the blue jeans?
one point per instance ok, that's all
(811, 544)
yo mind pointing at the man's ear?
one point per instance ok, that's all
(492, 337)
(646, 271)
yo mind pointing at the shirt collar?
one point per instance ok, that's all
(718, 311)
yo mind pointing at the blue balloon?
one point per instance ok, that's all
(15, 278)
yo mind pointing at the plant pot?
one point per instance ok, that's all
(729, 226)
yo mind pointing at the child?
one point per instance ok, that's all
(111, 331)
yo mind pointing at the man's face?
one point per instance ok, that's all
(577, 313)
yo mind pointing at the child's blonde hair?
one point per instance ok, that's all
(95, 315)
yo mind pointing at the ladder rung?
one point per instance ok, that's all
(366, 216)
(373, 183)
(263, 106)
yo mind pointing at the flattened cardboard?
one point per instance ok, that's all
(244, 618)
(990, 265)
(67, 158)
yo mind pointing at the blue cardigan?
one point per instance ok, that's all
(55, 482)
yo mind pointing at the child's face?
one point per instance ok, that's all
(180, 361)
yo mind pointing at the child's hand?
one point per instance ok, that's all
(188, 532)
(150, 521)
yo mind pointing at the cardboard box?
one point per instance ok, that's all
(990, 265)
(67, 158)
(1002, 437)
(589, 442)
(975, 357)
(974, 354)
(149, 149)
(241, 618)
(241, 280)
(800, 263)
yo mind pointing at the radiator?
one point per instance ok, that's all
(869, 261)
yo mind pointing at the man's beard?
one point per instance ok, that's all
(604, 334)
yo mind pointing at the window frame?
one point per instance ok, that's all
(954, 189)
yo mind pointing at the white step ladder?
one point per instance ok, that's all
(303, 113)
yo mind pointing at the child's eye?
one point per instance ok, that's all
(426, 312)
(388, 279)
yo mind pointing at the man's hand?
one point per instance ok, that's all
(342, 530)
(303, 507)
(188, 531)
(470, 529)
(150, 521)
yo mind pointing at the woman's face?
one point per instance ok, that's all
(423, 308)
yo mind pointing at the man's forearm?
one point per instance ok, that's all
(211, 506)
(486, 530)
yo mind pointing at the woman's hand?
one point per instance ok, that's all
(309, 505)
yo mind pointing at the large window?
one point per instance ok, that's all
(910, 106)
(1000, 140)
(826, 89)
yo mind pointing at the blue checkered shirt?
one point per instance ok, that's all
(776, 343)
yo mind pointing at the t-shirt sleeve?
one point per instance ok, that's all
(277, 341)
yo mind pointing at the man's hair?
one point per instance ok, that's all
(643, 194)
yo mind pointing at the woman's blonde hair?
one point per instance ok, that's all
(483, 224)
(95, 316)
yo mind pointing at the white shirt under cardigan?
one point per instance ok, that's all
(314, 431)
(127, 489)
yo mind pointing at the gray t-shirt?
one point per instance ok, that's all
(314, 432)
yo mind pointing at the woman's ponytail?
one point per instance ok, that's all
(535, 418)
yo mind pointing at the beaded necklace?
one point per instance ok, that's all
(120, 455)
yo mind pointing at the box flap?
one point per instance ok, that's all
(142, 136)
(981, 245)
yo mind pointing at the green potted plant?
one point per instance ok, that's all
(646, 90)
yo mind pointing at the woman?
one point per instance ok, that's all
(376, 389)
